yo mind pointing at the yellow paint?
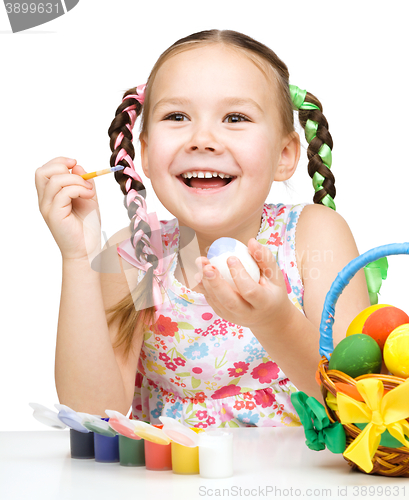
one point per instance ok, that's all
(185, 460)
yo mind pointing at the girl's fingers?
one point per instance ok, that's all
(60, 165)
(266, 262)
(258, 295)
(68, 162)
(58, 183)
(63, 199)
(219, 292)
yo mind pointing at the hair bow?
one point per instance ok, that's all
(319, 432)
(140, 94)
(127, 252)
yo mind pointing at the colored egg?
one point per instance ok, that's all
(356, 355)
(396, 351)
(382, 322)
(222, 249)
(352, 391)
(357, 323)
(349, 390)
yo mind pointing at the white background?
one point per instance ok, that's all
(62, 82)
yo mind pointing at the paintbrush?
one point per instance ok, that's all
(91, 175)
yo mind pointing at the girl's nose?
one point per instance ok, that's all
(204, 140)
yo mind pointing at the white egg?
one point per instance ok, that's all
(222, 249)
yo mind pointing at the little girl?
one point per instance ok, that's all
(217, 130)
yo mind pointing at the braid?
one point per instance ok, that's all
(130, 182)
(320, 145)
(133, 307)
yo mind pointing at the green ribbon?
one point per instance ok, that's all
(375, 272)
(319, 431)
(297, 96)
(311, 127)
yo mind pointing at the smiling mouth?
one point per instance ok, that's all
(206, 183)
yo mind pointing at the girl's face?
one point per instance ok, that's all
(214, 110)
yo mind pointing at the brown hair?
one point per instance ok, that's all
(130, 312)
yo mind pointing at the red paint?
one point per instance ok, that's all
(158, 456)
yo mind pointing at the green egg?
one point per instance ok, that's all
(356, 355)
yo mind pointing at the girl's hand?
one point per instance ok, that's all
(69, 206)
(256, 305)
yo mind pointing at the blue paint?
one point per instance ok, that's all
(220, 246)
(106, 448)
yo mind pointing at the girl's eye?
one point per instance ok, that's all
(236, 118)
(232, 118)
(176, 117)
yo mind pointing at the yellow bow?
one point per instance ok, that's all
(380, 413)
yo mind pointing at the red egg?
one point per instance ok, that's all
(382, 322)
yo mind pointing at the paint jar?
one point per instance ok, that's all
(106, 445)
(185, 453)
(81, 438)
(185, 460)
(158, 456)
(106, 448)
(131, 446)
(131, 452)
(216, 454)
(82, 444)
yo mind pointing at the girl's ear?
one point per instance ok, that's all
(144, 156)
(290, 156)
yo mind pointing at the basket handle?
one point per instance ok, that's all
(341, 281)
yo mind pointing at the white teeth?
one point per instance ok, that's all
(201, 175)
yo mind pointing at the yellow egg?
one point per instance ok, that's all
(357, 323)
(396, 351)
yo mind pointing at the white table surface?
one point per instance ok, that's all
(268, 463)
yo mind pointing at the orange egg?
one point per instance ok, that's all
(352, 391)
(382, 322)
(349, 390)
(358, 322)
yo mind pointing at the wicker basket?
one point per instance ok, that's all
(386, 461)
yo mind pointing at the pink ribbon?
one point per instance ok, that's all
(140, 97)
(127, 252)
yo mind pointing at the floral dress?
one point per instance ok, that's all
(207, 372)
